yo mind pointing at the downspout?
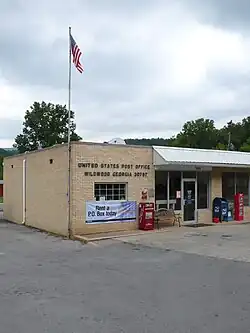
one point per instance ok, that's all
(24, 191)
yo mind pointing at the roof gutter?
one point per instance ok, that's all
(197, 166)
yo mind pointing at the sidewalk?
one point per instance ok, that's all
(228, 242)
(134, 233)
(119, 234)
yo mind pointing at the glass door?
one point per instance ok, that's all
(189, 201)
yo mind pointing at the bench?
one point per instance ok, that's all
(167, 217)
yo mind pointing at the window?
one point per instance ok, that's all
(171, 191)
(228, 186)
(189, 174)
(161, 185)
(242, 185)
(112, 191)
(234, 182)
(203, 179)
(174, 186)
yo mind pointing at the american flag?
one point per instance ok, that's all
(76, 52)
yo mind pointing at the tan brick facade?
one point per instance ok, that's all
(204, 215)
(13, 188)
(47, 184)
(216, 183)
(47, 181)
(46, 189)
(83, 186)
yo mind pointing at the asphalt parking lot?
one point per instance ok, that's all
(52, 285)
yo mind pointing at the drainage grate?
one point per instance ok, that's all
(226, 236)
(197, 225)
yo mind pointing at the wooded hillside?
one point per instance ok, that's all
(202, 133)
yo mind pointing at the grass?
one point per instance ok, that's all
(1, 200)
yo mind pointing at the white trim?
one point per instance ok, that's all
(198, 166)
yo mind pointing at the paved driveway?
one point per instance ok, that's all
(52, 285)
(221, 241)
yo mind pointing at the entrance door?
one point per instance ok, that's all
(189, 201)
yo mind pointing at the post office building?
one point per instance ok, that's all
(99, 187)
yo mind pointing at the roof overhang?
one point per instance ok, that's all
(162, 162)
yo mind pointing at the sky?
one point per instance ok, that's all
(149, 65)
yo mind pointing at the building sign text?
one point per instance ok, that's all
(115, 169)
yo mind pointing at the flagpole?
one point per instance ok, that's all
(69, 147)
(69, 98)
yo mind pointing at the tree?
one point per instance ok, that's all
(232, 134)
(4, 153)
(220, 146)
(246, 146)
(45, 125)
(200, 133)
(150, 142)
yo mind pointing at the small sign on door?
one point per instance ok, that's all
(178, 194)
(144, 194)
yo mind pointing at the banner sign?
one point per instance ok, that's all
(111, 211)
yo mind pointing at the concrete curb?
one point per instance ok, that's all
(96, 239)
(86, 239)
(231, 223)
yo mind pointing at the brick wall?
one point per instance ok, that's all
(83, 186)
(13, 188)
(47, 202)
(46, 189)
(204, 215)
(216, 183)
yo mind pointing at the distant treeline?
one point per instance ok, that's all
(5, 153)
(202, 133)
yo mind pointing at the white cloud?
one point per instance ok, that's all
(12, 100)
(147, 69)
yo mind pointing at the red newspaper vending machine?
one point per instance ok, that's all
(239, 207)
(146, 215)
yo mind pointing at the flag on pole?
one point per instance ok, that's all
(76, 53)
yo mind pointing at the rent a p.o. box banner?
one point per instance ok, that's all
(110, 211)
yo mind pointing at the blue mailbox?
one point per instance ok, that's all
(220, 210)
(224, 209)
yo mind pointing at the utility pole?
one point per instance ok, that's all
(229, 141)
